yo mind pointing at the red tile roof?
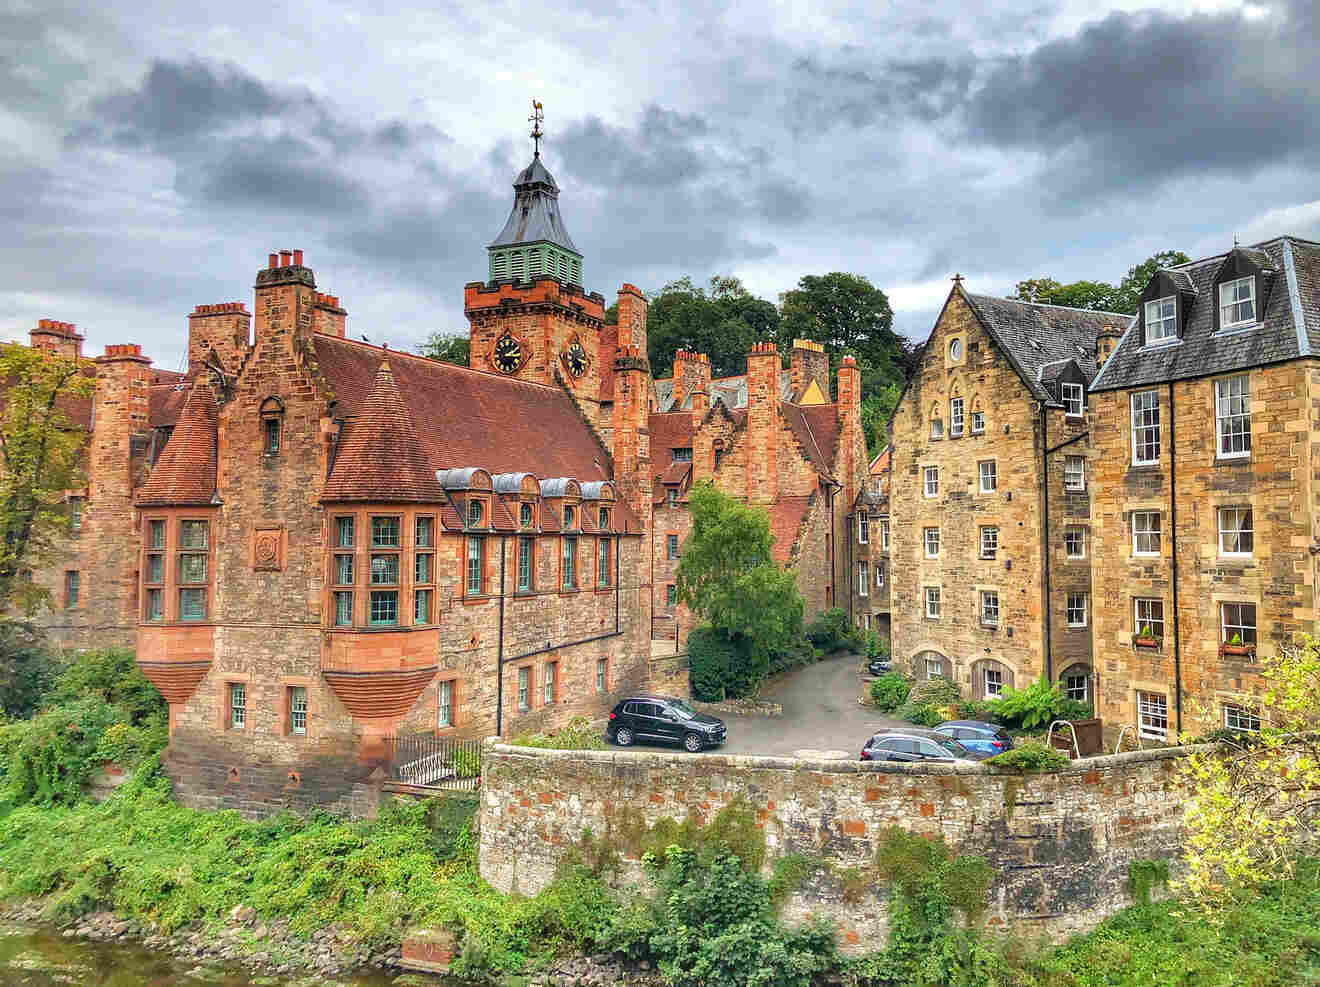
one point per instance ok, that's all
(668, 432)
(786, 517)
(609, 346)
(881, 462)
(185, 472)
(463, 417)
(164, 402)
(816, 427)
(380, 454)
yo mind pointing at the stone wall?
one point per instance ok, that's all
(1060, 843)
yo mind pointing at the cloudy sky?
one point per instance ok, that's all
(152, 153)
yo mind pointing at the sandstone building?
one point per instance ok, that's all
(990, 488)
(868, 543)
(1205, 519)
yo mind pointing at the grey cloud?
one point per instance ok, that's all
(854, 90)
(659, 153)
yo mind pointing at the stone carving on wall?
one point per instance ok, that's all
(268, 549)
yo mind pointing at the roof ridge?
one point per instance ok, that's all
(1066, 308)
(387, 352)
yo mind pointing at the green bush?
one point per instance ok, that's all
(889, 692)
(922, 714)
(874, 647)
(112, 676)
(720, 666)
(796, 655)
(577, 735)
(831, 631)
(1029, 756)
(27, 670)
(52, 756)
(1073, 709)
(935, 691)
(1031, 708)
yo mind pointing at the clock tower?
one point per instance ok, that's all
(530, 318)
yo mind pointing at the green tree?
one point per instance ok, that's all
(447, 348)
(1130, 288)
(846, 314)
(727, 574)
(40, 459)
(1099, 295)
(723, 322)
(1254, 812)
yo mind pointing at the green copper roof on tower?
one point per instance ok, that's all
(534, 242)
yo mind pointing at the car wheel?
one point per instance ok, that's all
(623, 737)
(692, 743)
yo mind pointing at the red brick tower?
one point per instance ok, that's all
(763, 424)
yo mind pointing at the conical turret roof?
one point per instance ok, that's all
(535, 217)
(380, 456)
(185, 473)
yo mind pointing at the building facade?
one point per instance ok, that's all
(990, 485)
(1205, 427)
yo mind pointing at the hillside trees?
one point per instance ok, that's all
(722, 321)
(446, 347)
(1099, 296)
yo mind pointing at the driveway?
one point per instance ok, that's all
(821, 713)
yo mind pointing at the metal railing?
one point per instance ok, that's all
(428, 761)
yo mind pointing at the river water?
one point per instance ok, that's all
(42, 958)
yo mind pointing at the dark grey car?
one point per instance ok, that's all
(666, 720)
(916, 744)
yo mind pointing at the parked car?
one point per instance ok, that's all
(663, 718)
(916, 744)
(878, 666)
(984, 738)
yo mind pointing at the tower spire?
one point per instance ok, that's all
(536, 120)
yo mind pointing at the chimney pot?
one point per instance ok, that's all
(285, 258)
(297, 258)
(274, 261)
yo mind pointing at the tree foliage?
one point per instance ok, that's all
(447, 348)
(722, 321)
(40, 461)
(1255, 808)
(728, 576)
(1099, 296)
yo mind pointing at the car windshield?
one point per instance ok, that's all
(682, 709)
(950, 745)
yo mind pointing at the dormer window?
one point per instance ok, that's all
(1161, 319)
(1073, 399)
(525, 515)
(569, 517)
(474, 513)
(1237, 303)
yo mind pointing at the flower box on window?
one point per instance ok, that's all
(1147, 639)
(1238, 650)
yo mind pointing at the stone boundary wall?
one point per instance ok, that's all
(1060, 843)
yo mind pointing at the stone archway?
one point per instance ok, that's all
(1077, 682)
(923, 665)
(1000, 673)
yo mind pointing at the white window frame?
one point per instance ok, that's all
(863, 529)
(989, 541)
(1242, 514)
(880, 574)
(1233, 418)
(1147, 531)
(936, 429)
(1074, 399)
(444, 704)
(1166, 321)
(524, 687)
(992, 682)
(933, 603)
(989, 607)
(955, 418)
(934, 667)
(884, 534)
(955, 349)
(1241, 718)
(298, 711)
(237, 705)
(978, 422)
(1071, 692)
(1074, 474)
(1149, 422)
(1227, 630)
(863, 578)
(1152, 711)
(929, 537)
(549, 683)
(602, 674)
(1080, 540)
(1083, 606)
(983, 474)
(930, 481)
(1227, 308)
(1149, 620)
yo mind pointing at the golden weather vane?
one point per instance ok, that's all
(536, 120)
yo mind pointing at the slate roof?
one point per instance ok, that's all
(1035, 335)
(731, 390)
(535, 216)
(464, 417)
(185, 473)
(1288, 327)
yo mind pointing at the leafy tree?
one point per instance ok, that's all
(40, 459)
(846, 314)
(877, 409)
(447, 348)
(1254, 813)
(1099, 295)
(722, 322)
(728, 576)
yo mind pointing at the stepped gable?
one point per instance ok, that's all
(380, 456)
(185, 473)
(457, 417)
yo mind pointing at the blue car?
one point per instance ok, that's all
(986, 739)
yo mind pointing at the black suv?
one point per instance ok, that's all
(668, 720)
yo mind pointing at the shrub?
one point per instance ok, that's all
(114, 677)
(720, 667)
(831, 631)
(1029, 756)
(53, 755)
(27, 670)
(1031, 708)
(935, 691)
(577, 735)
(796, 655)
(985, 710)
(922, 714)
(875, 648)
(889, 692)
(1073, 709)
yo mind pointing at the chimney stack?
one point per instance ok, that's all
(224, 328)
(60, 338)
(632, 320)
(632, 433)
(330, 317)
(763, 424)
(850, 460)
(806, 363)
(691, 374)
(1106, 340)
(285, 298)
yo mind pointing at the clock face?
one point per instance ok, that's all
(508, 354)
(576, 359)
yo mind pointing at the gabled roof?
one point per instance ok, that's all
(463, 417)
(185, 473)
(1288, 327)
(1033, 335)
(881, 462)
(379, 455)
(816, 428)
